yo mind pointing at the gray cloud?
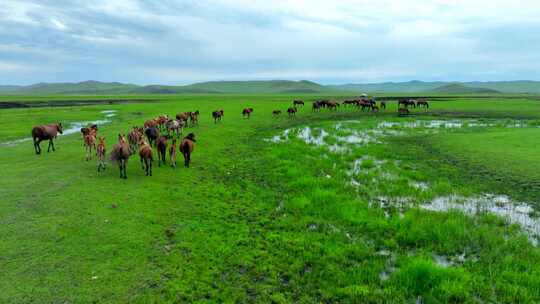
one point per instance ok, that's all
(184, 41)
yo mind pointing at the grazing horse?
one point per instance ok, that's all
(332, 105)
(134, 137)
(316, 107)
(145, 153)
(120, 154)
(161, 149)
(292, 111)
(276, 113)
(44, 132)
(186, 147)
(172, 153)
(152, 134)
(403, 111)
(422, 102)
(89, 142)
(100, 151)
(407, 103)
(383, 105)
(217, 115)
(348, 102)
(247, 112)
(364, 104)
(298, 103)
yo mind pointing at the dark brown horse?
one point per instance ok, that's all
(186, 147)
(145, 153)
(276, 112)
(292, 111)
(247, 112)
(172, 153)
(120, 154)
(100, 151)
(383, 105)
(217, 115)
(152, 134)
(316, 107)
(407, 103)
(44, 132)
(161, 149)
(332, 105)
(298, 103)
(422, 103)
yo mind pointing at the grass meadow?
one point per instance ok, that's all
(335, 207)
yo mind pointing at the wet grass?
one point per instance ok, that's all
(256, 221)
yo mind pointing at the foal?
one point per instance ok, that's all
(186, 147)
(145, 152)
(172, 153)
(100, 150)
(89, 142)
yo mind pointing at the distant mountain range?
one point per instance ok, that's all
(273, 86)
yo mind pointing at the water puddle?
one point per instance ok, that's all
(74, 127)
(519, 213)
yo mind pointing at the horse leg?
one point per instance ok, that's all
(37, 148)
(150, 161)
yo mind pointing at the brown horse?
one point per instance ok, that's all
(422, 103)
(183, 116)
(194, 118)
(172, 153)
(161, 149)
(134, 137)
(150, 123)
(316, 107)
(276, 113)
(217, 115)
(145, 152)
(332, 105)
(120, 154)
(100, 151)
(44, 132)
(246, 113)
(298, 103)
(186, 147)
(89, 143)
(292, 111)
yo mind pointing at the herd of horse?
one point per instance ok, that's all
(156, 133)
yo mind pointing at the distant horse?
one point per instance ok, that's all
(247, 112)
(332, 105)
(186, 147)
(145, 153)
(161, 120)
(422, 102)
(364, 104)
(403, 111)
(100, 151)
(298, 103)
(276, 113)
(348, 102)
(44, 132)
(89, 143)
(217, 115)
(134, 137)
(292, 111)
(407, 103)
(120, 154)
(172, 153)
(152, 134)
(316, 106)
(383, 105)
(161, 149)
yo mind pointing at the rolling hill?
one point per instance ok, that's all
(456, 88)
(272, 87)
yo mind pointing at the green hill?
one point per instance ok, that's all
(456, 88)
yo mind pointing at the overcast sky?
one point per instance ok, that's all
(179, 42)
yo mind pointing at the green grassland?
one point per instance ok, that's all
(260, 221)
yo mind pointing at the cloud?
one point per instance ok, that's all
(347, 41)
